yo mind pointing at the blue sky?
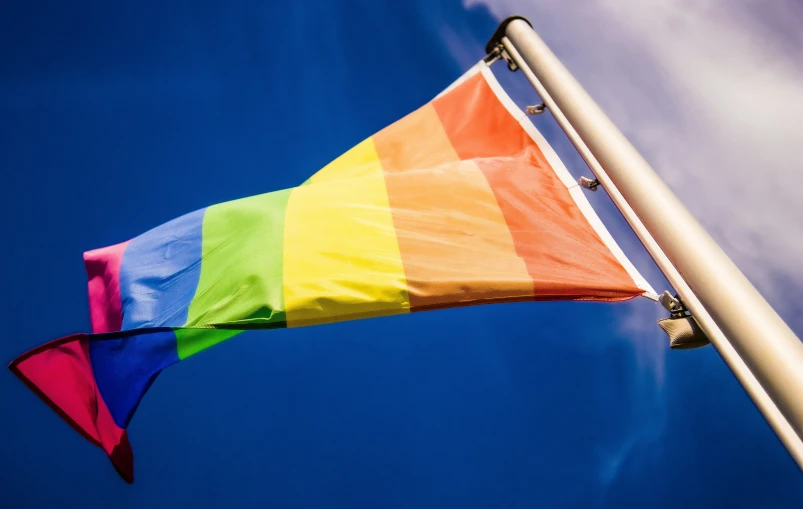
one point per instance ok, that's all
(117, 118)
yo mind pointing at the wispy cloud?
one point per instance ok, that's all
(711, 92)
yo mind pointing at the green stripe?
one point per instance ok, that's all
(191, 341)
(241, 280)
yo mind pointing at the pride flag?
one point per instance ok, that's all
(462, 202)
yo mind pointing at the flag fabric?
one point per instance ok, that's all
(461, 202)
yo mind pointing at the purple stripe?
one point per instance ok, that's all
(125, 367)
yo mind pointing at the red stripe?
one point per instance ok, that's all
(60, 373)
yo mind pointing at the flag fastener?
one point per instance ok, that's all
(500, 52)
(589, 184)
(535, 109)
(672, 304)
(495, 55)
(682, 329)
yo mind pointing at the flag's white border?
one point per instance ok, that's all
(560, 170)
(478, 67)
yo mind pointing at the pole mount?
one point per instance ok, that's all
(496, 38)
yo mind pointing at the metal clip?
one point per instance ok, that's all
(672, 304)
(535, 109)
(499, 52)
(589, 184)
(494, 55)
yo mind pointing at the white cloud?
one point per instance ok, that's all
(711, 92)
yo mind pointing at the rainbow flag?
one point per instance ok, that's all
(462, 202)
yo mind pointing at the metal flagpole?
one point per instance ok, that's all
(764, 354)
(759, 396)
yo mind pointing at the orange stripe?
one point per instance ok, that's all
(455, 245)
(563, 254)
(417, 141)
(478, 125)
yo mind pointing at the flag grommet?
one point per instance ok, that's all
(589, 184)
(535, 109)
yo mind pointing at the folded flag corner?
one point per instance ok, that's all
(60, 373)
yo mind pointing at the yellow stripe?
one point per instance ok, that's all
(360, 161)
(341, 256)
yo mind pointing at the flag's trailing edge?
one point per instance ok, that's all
(460, 203)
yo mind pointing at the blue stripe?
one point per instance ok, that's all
(160, 272)
(125, 368)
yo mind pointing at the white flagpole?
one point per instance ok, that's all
(764, 354)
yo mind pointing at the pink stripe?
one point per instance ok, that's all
(103, 270)
(60, 372)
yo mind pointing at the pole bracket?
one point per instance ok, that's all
(495, 42)
(496, 38)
